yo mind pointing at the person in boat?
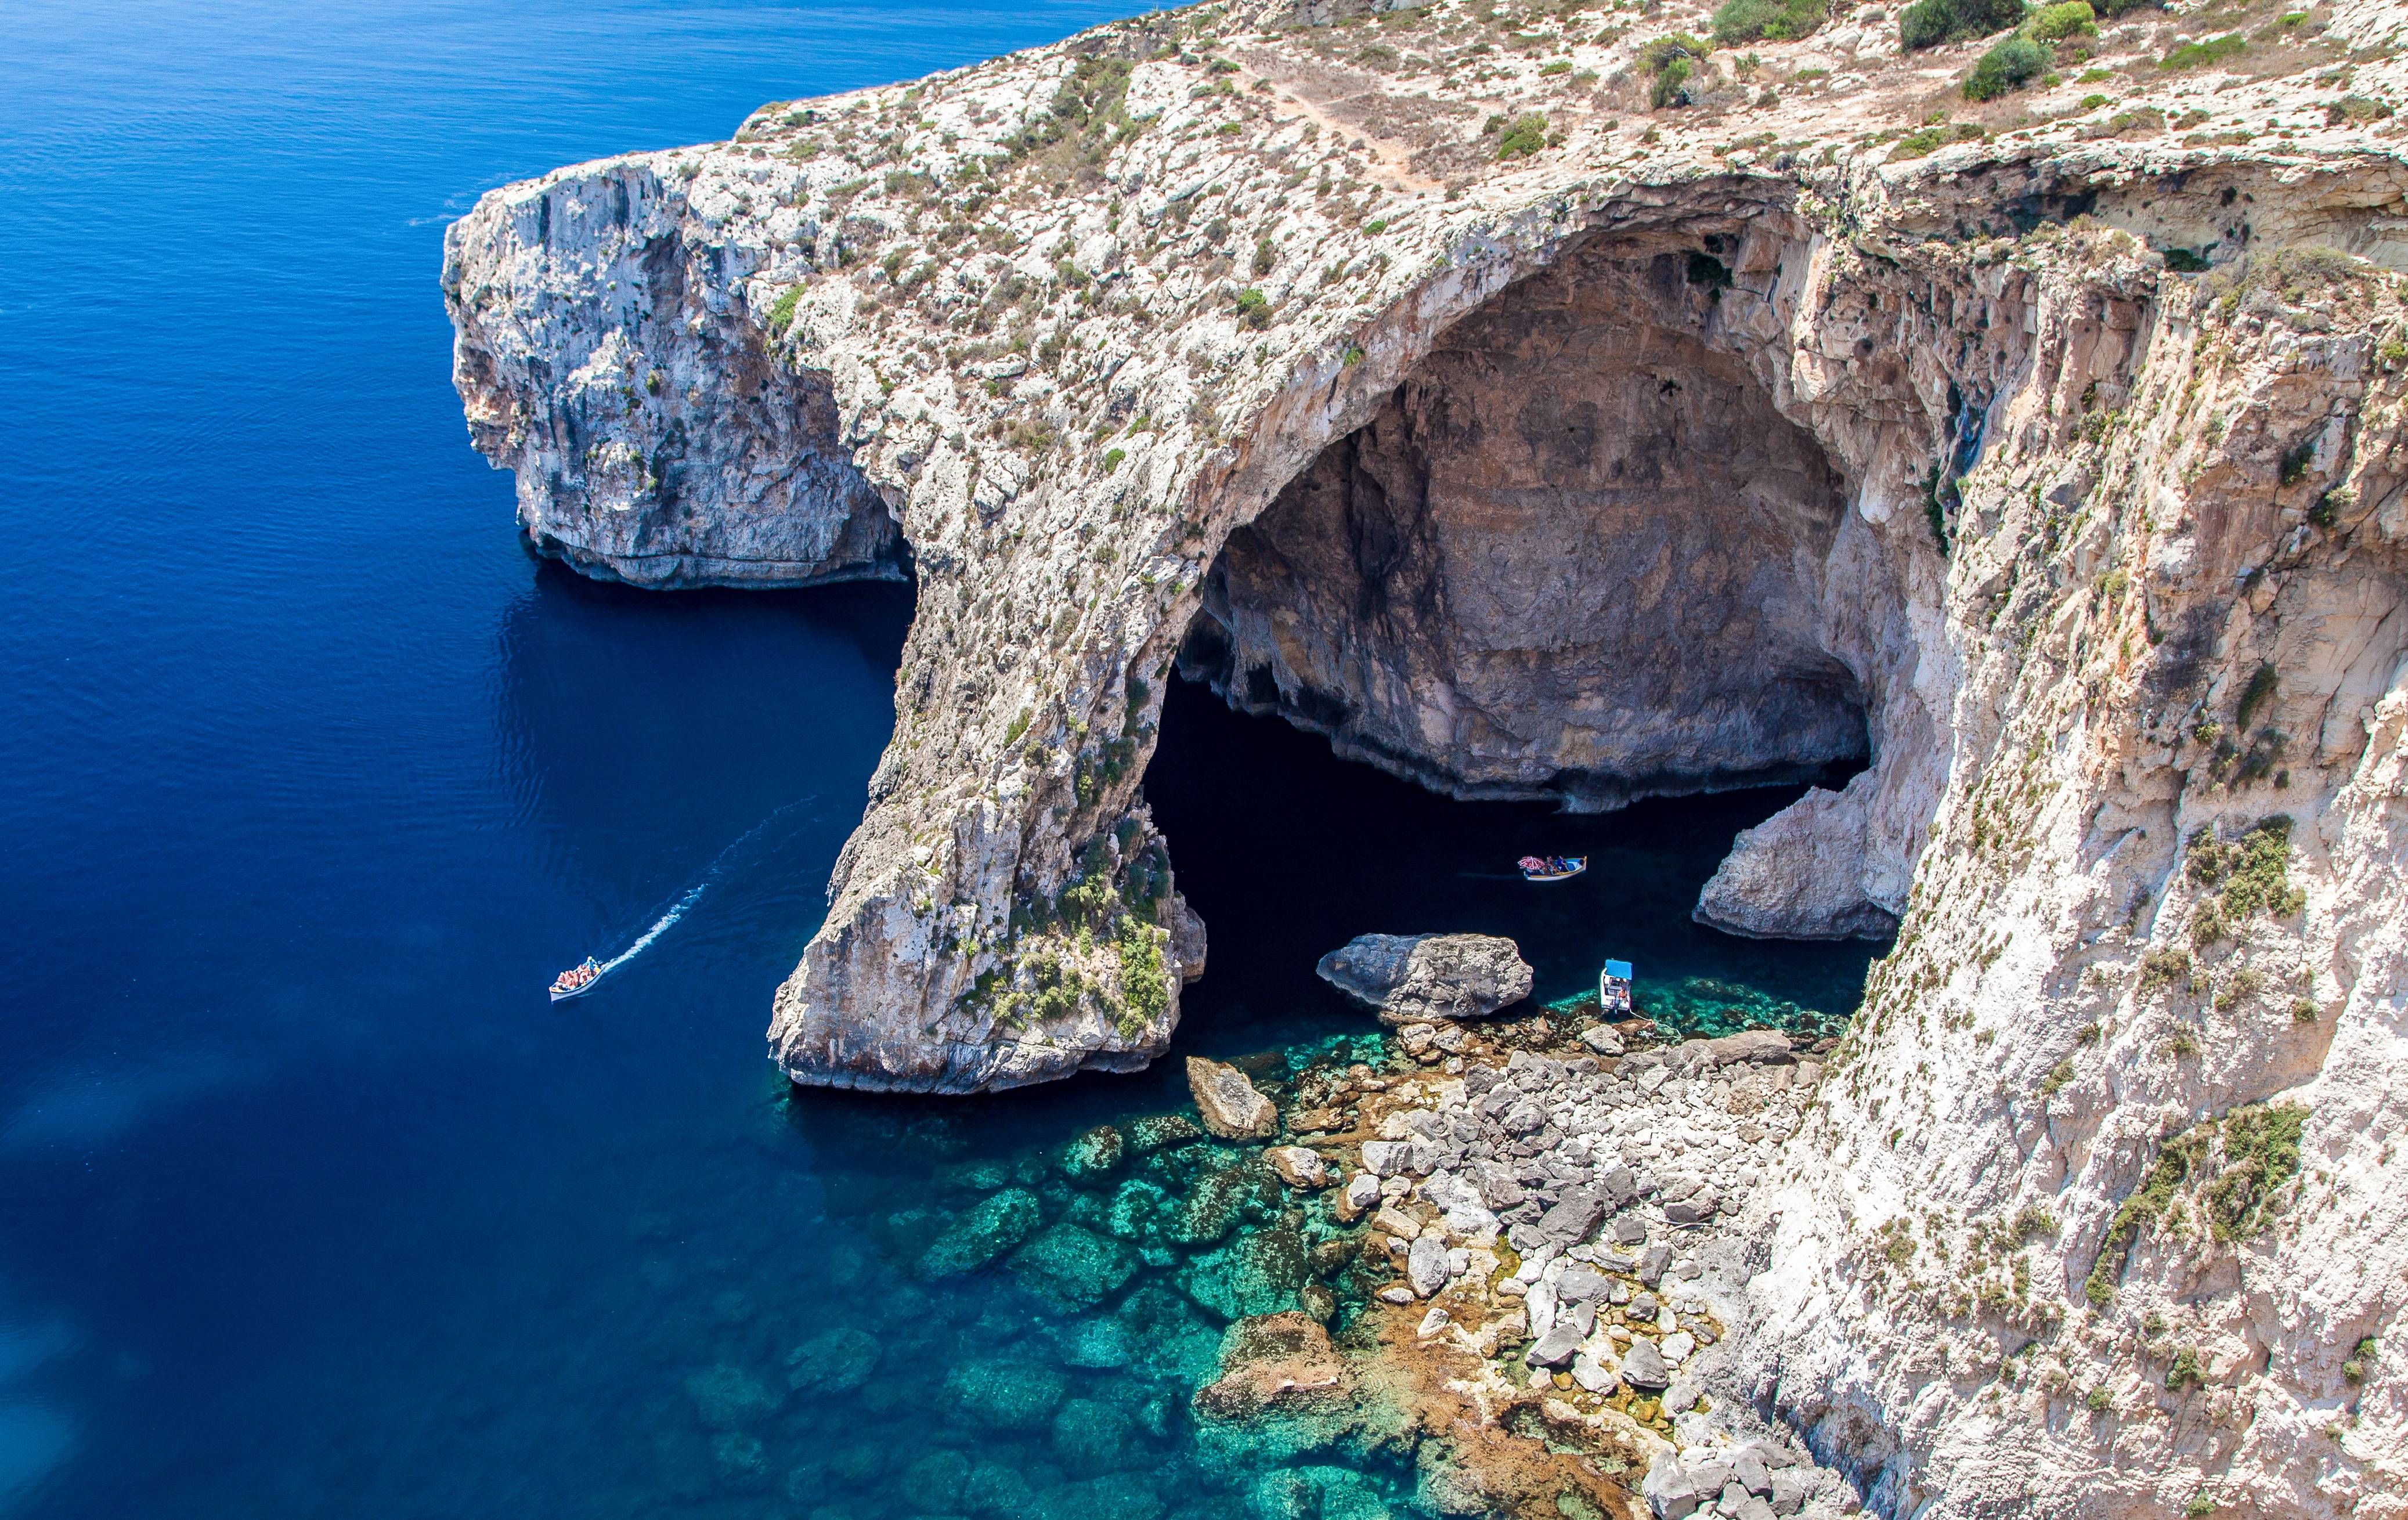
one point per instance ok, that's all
(1532, 863)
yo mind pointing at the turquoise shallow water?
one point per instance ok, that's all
(309, 1203)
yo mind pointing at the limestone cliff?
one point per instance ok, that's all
(1411, 377)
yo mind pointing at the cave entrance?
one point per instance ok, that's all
(1575, 561)
(1578, 554)
(1288, 852)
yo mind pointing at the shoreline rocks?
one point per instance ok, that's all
(1416, 978)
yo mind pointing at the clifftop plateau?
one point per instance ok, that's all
(1545, 401)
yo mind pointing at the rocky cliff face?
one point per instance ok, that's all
(1412, 379)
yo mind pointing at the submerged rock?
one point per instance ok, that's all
(1411, 978)
(984, 1232)
(1274, 1361)
(833, 1361)
(1006, 1396)
(1259, 1272)
(1231, 1107)
(1074, 1266)
(1092, 1153)
(729, 1398)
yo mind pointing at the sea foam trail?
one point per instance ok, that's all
(710, 875)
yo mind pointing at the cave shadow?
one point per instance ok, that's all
(1288, 852)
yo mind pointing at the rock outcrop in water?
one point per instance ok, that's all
(1410, 977)
(1411, 378)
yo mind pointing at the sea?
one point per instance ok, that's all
(311, 1204)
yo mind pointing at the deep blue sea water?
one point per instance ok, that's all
(309, 1203)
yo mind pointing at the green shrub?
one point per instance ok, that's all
(2054, 23)
(1112, 458)
(2261, 1153)
(2186, 1372)
(1670, 62)
(781, 311)
(2359, 108)
(1145, 989)
(2009, 65)
(2147, 1204)
(2159, 967)
(1253, 307)
(1523, 136)
(1928, 24)
(2200, 54)
(2360, 1361)
(2125, 7)
(1768, 20)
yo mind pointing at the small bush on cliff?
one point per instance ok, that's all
(1928, 24)
(2241, 1162)
(2055, 24)
(2254, 871)
(1521, 137)
(1768, 20)
(2200, 54)
(2186, 1372)
(1669, 63)
(2009, 65)
(781, 311)
(1145, 988)
(2361, 1360)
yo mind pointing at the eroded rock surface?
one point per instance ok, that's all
(1407, 978)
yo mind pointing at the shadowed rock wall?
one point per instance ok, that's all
(1577, 553)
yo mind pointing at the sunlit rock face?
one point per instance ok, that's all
(1578, 553)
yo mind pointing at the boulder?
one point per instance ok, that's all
(1802, 874)
(1642, 1366)
(1557, 1347)
(1603, 1040)
(1387, 1158)
(1426, 1265)
(1361, 1195)
(1299, 1167)
(1597, 1371)
(1415, 978)
(1231, 1107)
(1789, 1490)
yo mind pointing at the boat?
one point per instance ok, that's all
(1613, 989)
(575, 981)
(1552, 867)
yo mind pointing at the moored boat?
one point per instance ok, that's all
(1613, 989)
(577, 979)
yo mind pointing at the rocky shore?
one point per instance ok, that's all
(1543, 1215)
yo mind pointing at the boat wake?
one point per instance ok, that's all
(711, 874)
